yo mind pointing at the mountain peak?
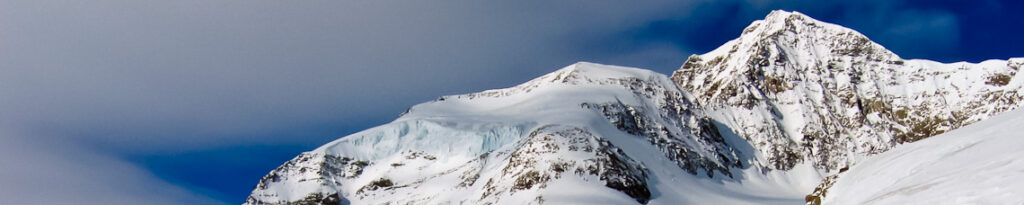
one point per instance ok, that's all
(782, 16)
(779, 20)
(797, 40)
(805, 84)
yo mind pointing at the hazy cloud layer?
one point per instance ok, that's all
(153, 74)
(127, 79)
(62, 173)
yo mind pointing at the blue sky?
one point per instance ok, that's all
(171, 102)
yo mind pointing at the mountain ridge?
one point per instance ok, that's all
(505, 137)
(762, 118)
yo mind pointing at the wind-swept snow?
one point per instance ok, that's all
(982, 163)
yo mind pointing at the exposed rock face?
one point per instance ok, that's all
(542, 157)
(685, 152)
(326, 172)
(803, 90)
(673, 124)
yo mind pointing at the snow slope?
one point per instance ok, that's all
(977, 164)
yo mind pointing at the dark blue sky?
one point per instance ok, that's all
(199, 99)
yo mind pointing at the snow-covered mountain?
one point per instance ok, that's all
(802, 90)
(762, 119)
(585, 132)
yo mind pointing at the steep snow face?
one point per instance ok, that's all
(801, 90)
(563, 137)
(978, 164)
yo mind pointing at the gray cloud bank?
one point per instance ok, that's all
(211, 72)
(100, 81)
